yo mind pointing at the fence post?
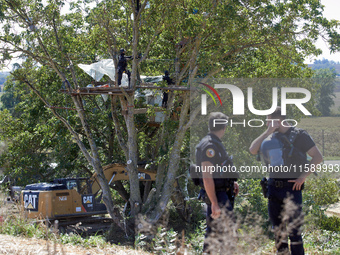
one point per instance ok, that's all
(323, 144)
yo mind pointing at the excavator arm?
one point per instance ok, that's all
(118, 172)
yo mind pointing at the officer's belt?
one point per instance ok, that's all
(280, 183)
(218, 189)
(221, 189)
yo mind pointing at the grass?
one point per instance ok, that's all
(331, 158)
(320, 123)
(318, 241)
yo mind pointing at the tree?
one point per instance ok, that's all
(9, 99)
(203, 38)
(34, 139)
(325, 94)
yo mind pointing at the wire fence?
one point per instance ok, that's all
(328, 142)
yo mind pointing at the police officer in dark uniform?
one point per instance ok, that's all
(122, 64)
(210, 152)
(283, 145)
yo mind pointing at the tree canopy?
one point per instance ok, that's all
(325, 94)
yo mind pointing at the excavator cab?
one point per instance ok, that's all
(81, 185)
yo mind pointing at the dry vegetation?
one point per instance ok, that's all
(29, 238)
(12, 245)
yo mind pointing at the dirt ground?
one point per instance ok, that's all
(333, 210)
(30, 246)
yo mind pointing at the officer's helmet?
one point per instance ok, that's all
(122, 51)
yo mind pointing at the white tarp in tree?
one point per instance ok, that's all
(103, 67)
(153, 79)
(106, 67)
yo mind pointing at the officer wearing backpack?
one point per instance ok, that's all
(210, 152)
(283, 145)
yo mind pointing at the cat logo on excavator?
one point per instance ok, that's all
(31, 200)
(87, 199)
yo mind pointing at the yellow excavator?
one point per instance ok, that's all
(73, 197)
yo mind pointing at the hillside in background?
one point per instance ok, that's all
(3, 76)
(326, 64)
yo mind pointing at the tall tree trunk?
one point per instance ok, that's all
(135, 197)
(166, 190)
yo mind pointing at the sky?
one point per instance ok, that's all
(331, 11)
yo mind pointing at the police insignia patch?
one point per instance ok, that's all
(210, 153)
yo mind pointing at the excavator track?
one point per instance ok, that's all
(84, 225)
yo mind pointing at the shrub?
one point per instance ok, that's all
(321, 191)
(195, 238)
(251, 201)
(17, 226)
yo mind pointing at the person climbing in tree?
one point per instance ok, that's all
(166, 78)
(122, 64)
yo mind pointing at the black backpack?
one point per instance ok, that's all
(290, 153)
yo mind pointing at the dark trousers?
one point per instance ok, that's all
(165, 100)
(292, 225)
(224, 204)
(120, 76)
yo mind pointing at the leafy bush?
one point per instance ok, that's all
(321, 191)
(195, 238)
(251, 201)
(330, 223)
(318, 241)
(318, 194)
(160, 240)
(91, 241)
